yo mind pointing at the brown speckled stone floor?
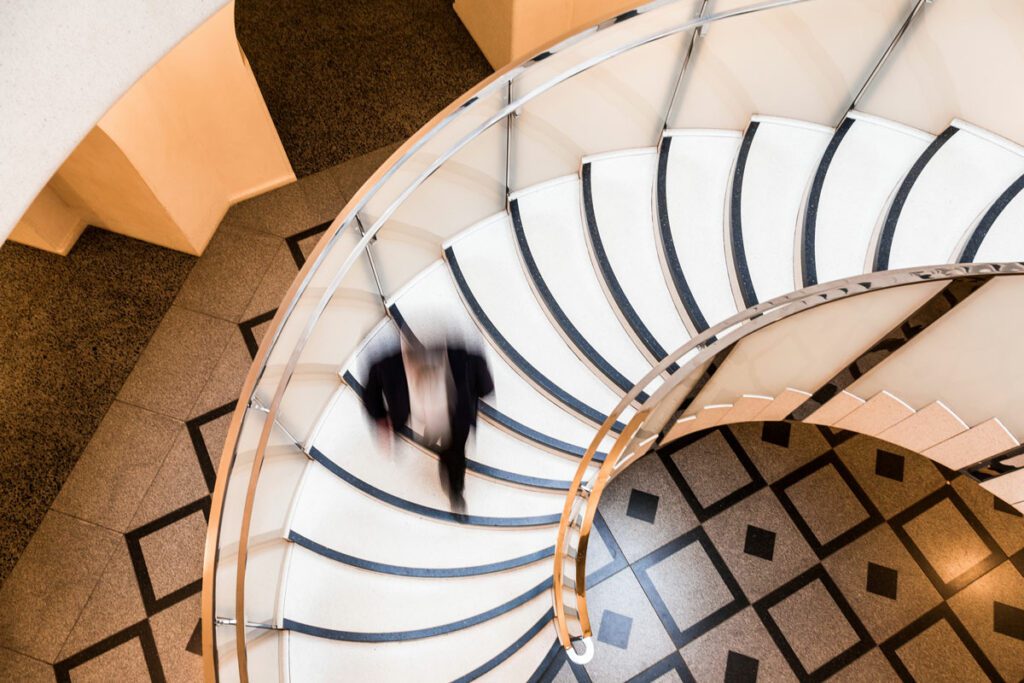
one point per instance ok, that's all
(344, 78)
(129, 360)
(71, 329)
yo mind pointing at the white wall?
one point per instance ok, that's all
(63, 63)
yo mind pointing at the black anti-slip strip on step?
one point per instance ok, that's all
(510, 352)
(621, 300)
(403, 326)
(928, 313)
(549, 666)
(986, 222)
(739, 254)
(535, 436)
(473, 465)
(515, 647)
(422, 510)
(420, 572)
(882, 251)
(668, 245)
(809, 268)
(617, 378)
(392, 636)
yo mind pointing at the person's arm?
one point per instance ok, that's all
(373, 394)
(373, 399)
(482, 376)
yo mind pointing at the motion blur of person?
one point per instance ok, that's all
(433, 390)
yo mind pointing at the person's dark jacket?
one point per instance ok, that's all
(387, 391)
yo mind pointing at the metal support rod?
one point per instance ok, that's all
(255, 403)
(373, 266)
(885, 56)
(508, 145)
(697, 32)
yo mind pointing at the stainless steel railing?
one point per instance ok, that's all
(500, 83)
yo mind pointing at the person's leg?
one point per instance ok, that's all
(453, 461)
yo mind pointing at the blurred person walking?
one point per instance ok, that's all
(434, 391)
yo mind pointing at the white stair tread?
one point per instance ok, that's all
(345, 520)
(925, 428)
(1004, 240)
(621, 189)
(958, 183)
(783, 404)
(864, 172)
(486, 256)
(434, 297)
(1009, 487)
(326, 594)
(348, 440)
(493, 447)
(780, 162)
(526, 661)
(552, 221)
(441, 658)
(878, 413)
(698, 171)
(263, 653)
(304, 400)
(973, 445)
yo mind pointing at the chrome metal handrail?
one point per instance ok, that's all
(349, 215)
(583, 497)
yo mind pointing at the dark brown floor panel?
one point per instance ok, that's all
(344, 78)
(71, 329)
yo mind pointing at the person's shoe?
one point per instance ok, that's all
(458, 503)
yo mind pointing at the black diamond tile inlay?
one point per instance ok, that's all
(882, 580)
(740, 668)
(195, 641)
(615, 629)
(889, 465)
(776, 433)
(1003, 506)
(759, 542)
(1008, 620)
(642, 506)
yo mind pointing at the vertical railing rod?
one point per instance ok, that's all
(697, 32)
(508, 146)
(885, 56)
(373, 266)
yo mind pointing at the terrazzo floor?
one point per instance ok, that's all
(107, 588)
(781, 551)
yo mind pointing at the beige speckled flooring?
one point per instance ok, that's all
(108, 586)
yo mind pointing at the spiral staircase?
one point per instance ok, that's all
(632, 276)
